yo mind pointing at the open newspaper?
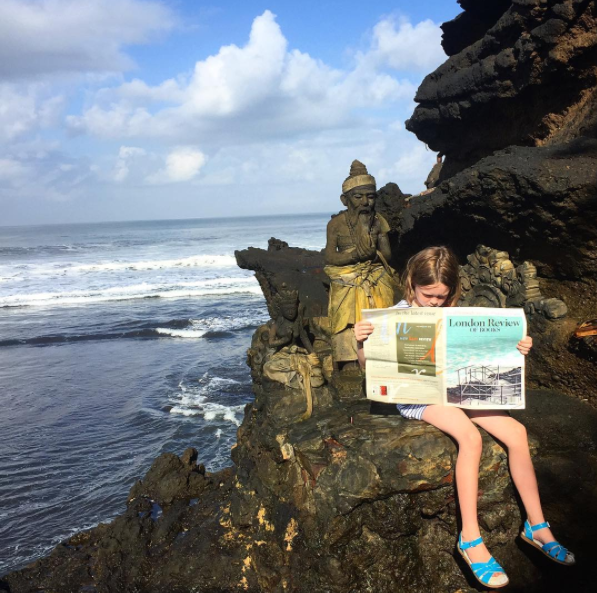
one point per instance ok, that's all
(457, 356)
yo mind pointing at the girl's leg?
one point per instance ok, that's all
(454, 422)
(514, 435)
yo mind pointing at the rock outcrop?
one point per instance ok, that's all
(345, 501)
(514, 112)
(520, 73)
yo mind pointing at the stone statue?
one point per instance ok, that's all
(285, 329)
(490, 279)
(289, 322)
(356, 256)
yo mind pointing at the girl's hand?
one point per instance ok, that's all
(362, 330)
(525, 345)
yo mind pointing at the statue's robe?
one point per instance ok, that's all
(363, 285)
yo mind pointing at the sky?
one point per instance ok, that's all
(165, 109)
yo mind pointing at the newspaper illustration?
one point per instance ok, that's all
(457, 356)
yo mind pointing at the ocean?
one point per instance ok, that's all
(119, 342)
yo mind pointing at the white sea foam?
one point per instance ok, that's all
(199, 327)
(211, 411)
(193, 401)
(177, 290)
(182, 333)
(195, 261)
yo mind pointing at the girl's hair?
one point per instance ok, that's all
(433, 265)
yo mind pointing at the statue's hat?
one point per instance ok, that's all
(358, 176)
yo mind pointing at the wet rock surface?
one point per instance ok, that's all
(345, 501)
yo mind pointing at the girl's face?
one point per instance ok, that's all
(434, 295)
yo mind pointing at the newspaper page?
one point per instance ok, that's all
(458, 356)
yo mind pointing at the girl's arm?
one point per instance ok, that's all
(362, 330)
(525, 345)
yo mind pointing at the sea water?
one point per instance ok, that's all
(119, 342)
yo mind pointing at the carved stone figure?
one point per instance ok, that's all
(356, 256)
(297, 369)
(490, 279)
(286, 328)
(260, 351)
(289, 323)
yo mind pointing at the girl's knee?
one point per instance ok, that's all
(471, 440)
(517, 435)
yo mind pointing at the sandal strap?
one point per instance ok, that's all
(555, 550)
(538, 526)
(485, 570)
(472, 544)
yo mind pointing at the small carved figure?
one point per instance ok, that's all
(357, 254)
(285, 329)
(490, 279)
(289, 322)
(260, 351)
(294, 367)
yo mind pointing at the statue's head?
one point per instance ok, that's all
(286, 302)
(358, 190)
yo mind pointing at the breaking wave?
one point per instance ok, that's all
(180, 290)
(194, 400)
(178, 328)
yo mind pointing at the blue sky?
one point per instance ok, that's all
(149, 109)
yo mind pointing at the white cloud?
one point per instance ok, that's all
(405, 47)
(125, 155)
(182, 164)
(130, 151)
(249, 117)
(243, 94)
(321, 163)
(57, 36)
(411, 167)
(39, 169)
(11, 171)
(27, 108)
(236, 77)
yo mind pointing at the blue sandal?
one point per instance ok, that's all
(552, 550)
(489, 573)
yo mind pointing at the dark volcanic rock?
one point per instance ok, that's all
(299, 268)
(536, 203)
(472, 24)
(337, 505)
(529, 80)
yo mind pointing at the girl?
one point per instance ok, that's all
(431, 279)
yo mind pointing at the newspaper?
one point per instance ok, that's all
(457, 356)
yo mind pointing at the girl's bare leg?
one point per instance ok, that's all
(454, 422)
(514, 435)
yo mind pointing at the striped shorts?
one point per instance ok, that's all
(411, 411)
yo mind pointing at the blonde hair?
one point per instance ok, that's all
(433, 265)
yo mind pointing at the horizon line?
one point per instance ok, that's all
(7, 226)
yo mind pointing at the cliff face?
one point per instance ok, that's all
(514, 111)
(325, 496)
(522, 73)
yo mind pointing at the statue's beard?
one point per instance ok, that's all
(363, 213)
(364, 216)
